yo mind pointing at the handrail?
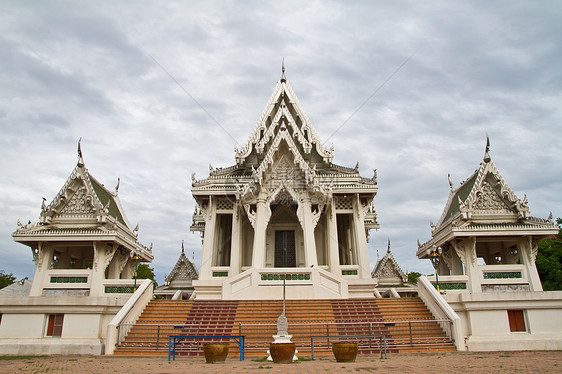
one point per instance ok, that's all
(441, 309)
(128, 313)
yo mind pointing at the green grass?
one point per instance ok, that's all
(21, 357)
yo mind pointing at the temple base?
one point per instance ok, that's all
(267, 284)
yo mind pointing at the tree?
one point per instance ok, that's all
(6, 279)
(549, 261)
(145, 272)
(413, 277)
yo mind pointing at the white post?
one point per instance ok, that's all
(361, 240)
(208, 241)
(42, 265)
(332, 230)
(258, 257)
(310, 257)
(235, 242)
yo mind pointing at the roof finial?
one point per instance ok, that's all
(80, 159)
(116, 191)
(388, 248)
(182, 249)
(487, 157)
(283, 79)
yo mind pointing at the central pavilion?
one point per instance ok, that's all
(284, 211)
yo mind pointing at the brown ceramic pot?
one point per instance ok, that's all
(282, 353)
(344, 352)
(215, 352)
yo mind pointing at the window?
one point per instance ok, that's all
(54, 325)
(516, 320)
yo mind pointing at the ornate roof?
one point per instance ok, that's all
(484, 204)
(183, 271)
(283, 127)
(387, 269)
(83, 210)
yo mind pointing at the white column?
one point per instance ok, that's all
(235, 242)
(528, 253)
(113, 272)
(258, 256)
(208, 241)
(333, 250)
(310, 256)
(471, 265)
(362, 251)
(98, 271)
(42, 264)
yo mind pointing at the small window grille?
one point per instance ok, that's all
(224, 204)
(343, 202)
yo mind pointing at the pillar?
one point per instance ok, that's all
(333, 251)
(528, 252)
(362, 252)
(471, 265)
(258, 256)
(310, 256)
(208, 240)
(235, 242)
(42, 264)
(98, 271)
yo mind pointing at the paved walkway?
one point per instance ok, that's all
(495, 362)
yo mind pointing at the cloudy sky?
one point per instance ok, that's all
(415, 84)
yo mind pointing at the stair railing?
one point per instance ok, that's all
(439, 307)
(130, 312)
(411, 333)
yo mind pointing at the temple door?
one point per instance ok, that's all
(285, 253)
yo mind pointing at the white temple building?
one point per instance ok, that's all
(484, 248)
(284, 210)
(86, 253)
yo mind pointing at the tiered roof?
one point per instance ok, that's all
(283, 123)
(183, 272)
(387, 269)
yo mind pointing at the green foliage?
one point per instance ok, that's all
(549, 261)
(145, 272)
(6, 279)
(413, 277)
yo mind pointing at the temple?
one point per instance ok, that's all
(178, 284)
(391, 280)
(486, 240)
(284, 210)
(86, 254)
(483, 249)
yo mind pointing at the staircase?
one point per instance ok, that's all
(406, 323)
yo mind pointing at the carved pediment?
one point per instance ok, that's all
(79, 203)
(488, 199)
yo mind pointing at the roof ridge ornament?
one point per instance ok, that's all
(487, 157)
(80, 159)
(116, 190)
(283, 78)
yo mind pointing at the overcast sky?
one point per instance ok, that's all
(439, 75)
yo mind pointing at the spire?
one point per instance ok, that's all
(283, 79)
(182, 249)
(487, 157)
(80, 159)
(388, 248)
